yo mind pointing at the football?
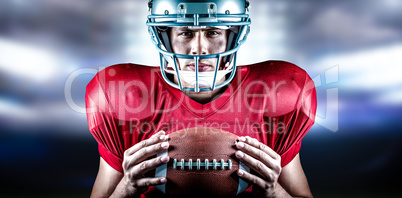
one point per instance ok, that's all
(202, 163)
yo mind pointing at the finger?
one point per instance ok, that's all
(155, 138)
(255, 180)
(147, 152)
(256, 165)
(255, 143)
(147, 165)
(145, 182)
(260, 155)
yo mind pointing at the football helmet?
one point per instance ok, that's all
(224, 14)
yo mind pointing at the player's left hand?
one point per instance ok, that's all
(264, 161)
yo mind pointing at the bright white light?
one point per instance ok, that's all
(392, 97)
(372, 69)
(393, 3)
(26, 61)
(130, 6)
(375, 70)
(13, 110)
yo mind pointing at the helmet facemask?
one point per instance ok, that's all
(198, 15)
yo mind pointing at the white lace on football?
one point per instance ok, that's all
(206, 164)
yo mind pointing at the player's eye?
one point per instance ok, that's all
(186, 34)
(213, 33)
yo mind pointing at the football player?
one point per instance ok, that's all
(132, 108)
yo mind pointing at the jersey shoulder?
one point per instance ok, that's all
(283, 84)
(276, 70)
(123, 87)
(126, 73)
(123, 75)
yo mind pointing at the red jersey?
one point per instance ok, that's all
(274, 102)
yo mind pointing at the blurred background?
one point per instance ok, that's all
(51, 49)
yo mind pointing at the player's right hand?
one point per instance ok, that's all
(137, 161)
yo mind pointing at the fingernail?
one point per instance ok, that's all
(165, 159)
(163, 180)
(240, 172)
(239, 154)
(165, 145)
(240, 145)
(243, 139)
(162, 137)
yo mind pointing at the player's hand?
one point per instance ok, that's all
(137, 162)
(264, 161)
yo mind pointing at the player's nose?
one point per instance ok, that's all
(199, 45)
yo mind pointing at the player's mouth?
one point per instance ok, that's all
(202, 67)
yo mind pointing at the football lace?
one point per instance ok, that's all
(206, 164)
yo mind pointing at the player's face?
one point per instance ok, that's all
(198, 41)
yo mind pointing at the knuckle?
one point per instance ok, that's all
(246, 147)
(125, 164)
(157, 138)
(135, 184)
(157, 161)
(127, 174)
(267, 186)
(260, 166)
(261, 154)
(143, 166)
(271, 177)
(130, 177)
(143, 143)
(147, 183)
(254, 180)
(279, 169)
(263, 147)
(278, 157)
(158, 147)
(142, 152)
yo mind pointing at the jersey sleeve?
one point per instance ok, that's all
(102, 124)
(300, 121)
